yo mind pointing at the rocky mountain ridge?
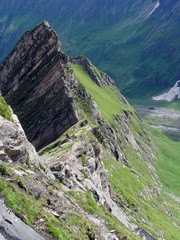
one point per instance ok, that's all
(31, 78)
(95, 176)
(44, 77)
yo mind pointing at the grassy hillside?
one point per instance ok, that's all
(106, 99)
(152, 203)
(168, 162)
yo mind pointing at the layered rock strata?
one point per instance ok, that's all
(36, 80)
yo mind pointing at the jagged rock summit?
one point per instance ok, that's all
(34, 81)
(43, 87)
(38, 81)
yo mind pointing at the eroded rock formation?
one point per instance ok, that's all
(36, 80)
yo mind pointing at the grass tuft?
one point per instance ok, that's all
(4, 109)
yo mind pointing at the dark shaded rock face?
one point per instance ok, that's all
(37, 81)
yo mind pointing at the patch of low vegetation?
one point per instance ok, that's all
(4, 109)
(60, 143)
(86, 201)
(82, 103)
(53, 228)
(71, 225)
(22, 205)
(84, 159)
(4, 170)
(128, 183)
(104, 97)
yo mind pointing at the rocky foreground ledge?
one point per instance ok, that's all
(12, 228)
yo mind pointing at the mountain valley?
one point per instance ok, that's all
(135, 42)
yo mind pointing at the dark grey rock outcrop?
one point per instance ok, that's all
(37, 81)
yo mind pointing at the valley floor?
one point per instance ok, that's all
(168, 120)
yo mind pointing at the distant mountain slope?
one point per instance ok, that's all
(136, 42)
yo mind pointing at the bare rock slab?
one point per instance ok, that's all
(12, 228)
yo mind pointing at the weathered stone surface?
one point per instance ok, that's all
(33, 51)
(83, 123)
(14, 146)
(81, 168)
(144, 235)
(12, 228)
(1, 237)
(37, 81)
(105, 134)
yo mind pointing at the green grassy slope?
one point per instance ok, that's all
(104, 97)
(135, 188)
(4, 109)
(168, 162)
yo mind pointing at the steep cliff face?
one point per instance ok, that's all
(36, 75)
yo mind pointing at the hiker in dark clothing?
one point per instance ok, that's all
(68, 136)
